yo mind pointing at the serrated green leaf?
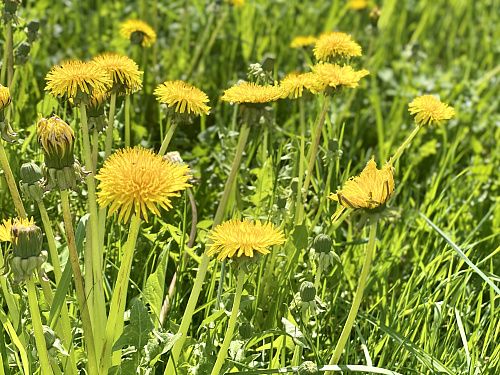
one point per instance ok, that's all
(136, 334)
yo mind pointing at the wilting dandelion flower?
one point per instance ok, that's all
(429, 110)
(73, 77)
(247, 92)
(183, 96)
(371, 189)
(335, 44)
(243, 238)
(138, 179)
(303, 41)
(122, 70)
(357, 4)
(295, 83)
(236, 3)
(334, 76)
(138, 32)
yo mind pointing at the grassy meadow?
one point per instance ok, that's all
(138, 294)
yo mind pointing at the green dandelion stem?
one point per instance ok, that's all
(228, 335)
(346, 331)
(109, 130)
(404, 145)
(10, 67)
(127, 121)
(202, 270)
(301, 158)
(12, 304)
(312, 158)
(5, 54)
(79, 285)
(171, 128)
(99, 313)
(18, 203)
(95, 148)
(41, 346)
(119, 295)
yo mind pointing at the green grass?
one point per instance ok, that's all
(424, 311)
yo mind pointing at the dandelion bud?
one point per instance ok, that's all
(307, 291)
(60, 167)
(375, 14)
(322, 243)
(307, 368)
(52, 342)
(31, 181)
(246, 330)
(31, 31)
(5, 99)
(26, 239)
(6, 131)
(33, 26)
(9, 12)
(22, 53)
(96, 115)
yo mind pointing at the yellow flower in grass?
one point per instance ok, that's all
(5, 229)
(74, 78)
(371, 189)
(5, 98)
(138, 180)
(236, 3)
(183, 96)
(303, 41)
(333, 75)
(123, 71)
(335, 44)
(429, 110)
(295, 83)
(243, 237)
(247, 92)
(138, 32)
(357, 4)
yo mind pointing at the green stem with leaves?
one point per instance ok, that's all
(404, 145)
(202, 270)
(228, 335)
(41, 345)
(171, 128)
(119, 295)
(346, 331)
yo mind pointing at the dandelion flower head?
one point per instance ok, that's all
(428, 109)
(357, 4)
(136, 180)
(303, 41)
(53, 133)
(295, 83)
(138, 32)
(236, 3)
(123, 71)
(334, 75)
(7, 226)
(5, 98)
(247, 92)
(371, 189)
(335, 44)
(243, 237)
(183, 96)
(73, 76)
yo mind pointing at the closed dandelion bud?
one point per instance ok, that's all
(26, 239)
(307, 291)
(32, 31)
(60, 168)
(96, 116)
(52, 343)
(5, 129)
(31, 181)
(246, 330)
(22, 53)
(322, 243)
(307, 368)
(9, 12)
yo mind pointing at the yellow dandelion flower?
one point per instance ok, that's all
(236, 3)
(7, 225)
(335, 44)
(243, 238)
(357, 4)
(334, 75)
(247, 92)
(295, 83)
(429, 110)
(371, 189)
(138, 32)
(123, 71)
(75, 76)
(138, 179)
(5, 98)
(184, 96)
(303, 41)
(57, 141)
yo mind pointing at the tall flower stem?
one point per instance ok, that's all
(109, 130)
(79, 286)
(202, 269)
(171, 128)
(301, 158)
(41, 346)
(119, 295)
(8, 31)
(404, 145)
(99, 312)
(18, 203)
(312, 158)
(127, 120)
(346, 331)
(228, 335)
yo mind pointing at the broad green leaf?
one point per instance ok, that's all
(165, 344)
(137, 332)
(155, 286)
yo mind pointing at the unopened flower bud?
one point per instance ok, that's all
(307, 368)
(26, 239)
(22, 53)
(96, 115)
(31, 181)
(307, 291)
(322, 243)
